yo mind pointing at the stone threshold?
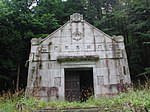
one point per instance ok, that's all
(89, 109)
(69, 110)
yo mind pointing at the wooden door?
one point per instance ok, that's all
(72, 86)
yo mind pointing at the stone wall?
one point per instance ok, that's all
(77, 44)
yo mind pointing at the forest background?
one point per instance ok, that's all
(22, 20)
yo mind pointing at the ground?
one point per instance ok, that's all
(137, 100)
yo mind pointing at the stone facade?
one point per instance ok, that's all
(77, 45)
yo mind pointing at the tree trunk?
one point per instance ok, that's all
(18, 72)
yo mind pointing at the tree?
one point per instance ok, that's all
(20, 21)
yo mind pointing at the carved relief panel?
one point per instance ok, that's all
(118, 78)
(99, 47)
(76, 36)
(56, 48)
(44, 48)
(100, 80)
(119, 54)
(57, 81)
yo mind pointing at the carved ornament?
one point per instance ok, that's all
(76, 17)
(77, 36)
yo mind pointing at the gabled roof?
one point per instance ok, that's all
(54, 32)
(76, 17)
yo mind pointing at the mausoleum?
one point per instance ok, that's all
(75, 58)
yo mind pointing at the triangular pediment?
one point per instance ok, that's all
(76, 29)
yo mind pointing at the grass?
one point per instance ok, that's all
(138, 99)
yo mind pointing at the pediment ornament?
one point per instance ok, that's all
(77, 36)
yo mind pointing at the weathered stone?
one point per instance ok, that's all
(77, 47)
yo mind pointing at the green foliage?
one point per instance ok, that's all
(133, 99)
(28, 104)
(146, 73)
(20, 21)
(7, 106)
